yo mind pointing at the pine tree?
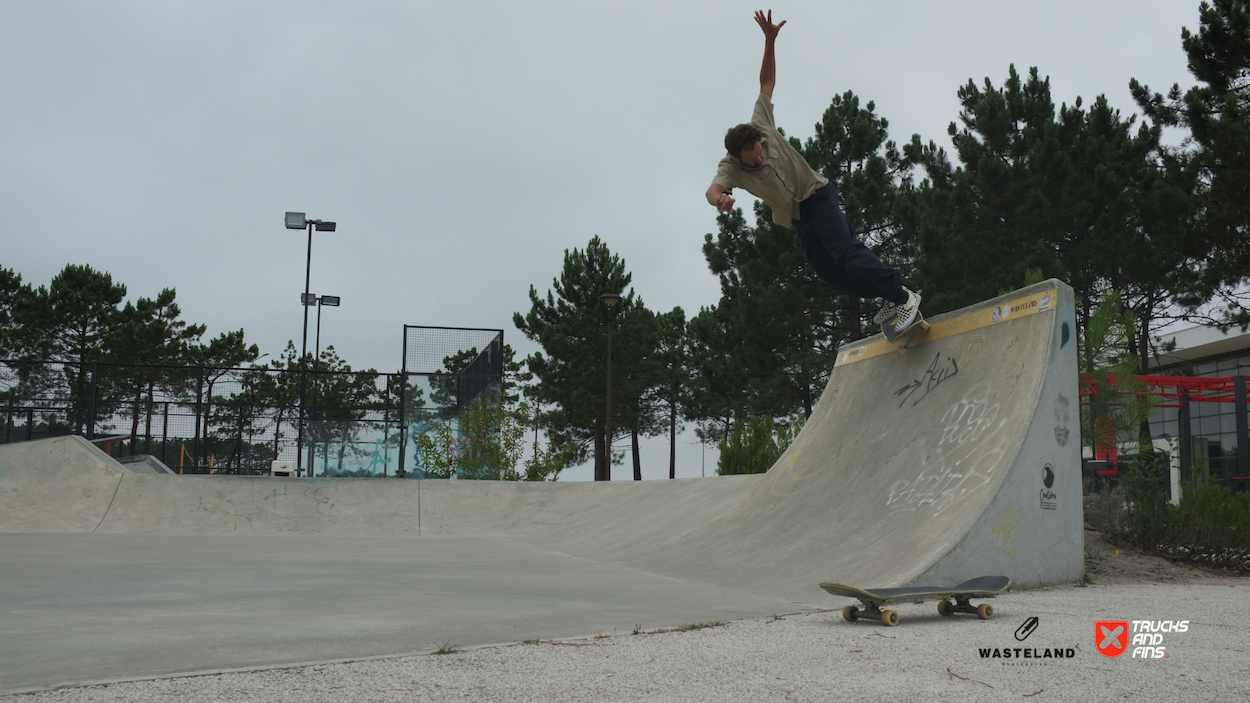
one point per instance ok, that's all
(672, 389)
(11, 288)
(68, 322)
(1075, 193)
(1217, 114)
(147, 335)
(571, 371)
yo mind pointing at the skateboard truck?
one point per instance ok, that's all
(985, 611)
(871, 611)
(903, 339)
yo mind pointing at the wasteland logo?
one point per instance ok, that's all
(1026, 655)
(1023, 632)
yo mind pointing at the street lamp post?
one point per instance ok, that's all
(331, 301)
(611, 308)
(296, 220)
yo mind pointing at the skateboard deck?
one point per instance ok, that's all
(981, 587)
(903, 339)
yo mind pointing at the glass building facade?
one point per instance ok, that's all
(1213, 425)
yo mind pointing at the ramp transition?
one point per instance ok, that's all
(957, 460)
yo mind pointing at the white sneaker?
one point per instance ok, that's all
(905, 314)
(885, 313)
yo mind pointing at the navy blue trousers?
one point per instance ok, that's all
(838, 257)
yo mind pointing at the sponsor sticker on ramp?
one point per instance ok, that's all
(1046, 496)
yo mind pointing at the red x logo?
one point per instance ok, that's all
(1111, 636)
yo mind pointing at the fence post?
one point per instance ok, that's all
(238, 452)
(165, 436)
(195, 442)
(1186, 434)
(1243, 432)
(403, 420)
(386, 424)
(95, 375)
(8, 423)
(30, 424)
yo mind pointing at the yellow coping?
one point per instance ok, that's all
(1021, 307)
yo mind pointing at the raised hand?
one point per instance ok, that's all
(766, 23)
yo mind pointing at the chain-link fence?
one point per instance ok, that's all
(200, 419)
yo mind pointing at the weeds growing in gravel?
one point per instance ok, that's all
(1093, 566)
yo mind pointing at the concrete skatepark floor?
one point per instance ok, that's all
(807, 657)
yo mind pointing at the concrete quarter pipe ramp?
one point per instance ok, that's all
(957, 460)
(960, 459)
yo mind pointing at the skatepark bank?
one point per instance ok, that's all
(957, 459)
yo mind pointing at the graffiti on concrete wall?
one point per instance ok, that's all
(939, 371)
(964, 460)
(1005, 534)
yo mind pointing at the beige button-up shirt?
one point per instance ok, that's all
(784, 179)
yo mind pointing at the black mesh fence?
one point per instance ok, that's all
(471, 351)
(237, 420)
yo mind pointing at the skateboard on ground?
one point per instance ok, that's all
(981, 587)
(904, 338)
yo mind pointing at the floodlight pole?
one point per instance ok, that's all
(297, 220)
(303, 355)
(607, 441)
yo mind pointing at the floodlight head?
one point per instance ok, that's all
(611, 301)
(331, 300)
(295, 220)
(308, 299)
(324, 226)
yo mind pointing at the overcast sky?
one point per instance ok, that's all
(463, 146)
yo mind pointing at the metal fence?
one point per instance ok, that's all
(201, 419)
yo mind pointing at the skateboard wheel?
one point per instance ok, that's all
(944, 608)
(889, 617)
(985, 611)
(848, 613)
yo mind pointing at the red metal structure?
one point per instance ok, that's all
(1178, 392)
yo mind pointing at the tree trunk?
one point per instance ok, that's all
(134, 421)
(79, 407)
(147, 442)
(637, 460)
(1143, 359)
(277, 431)
(599, 463)
(857, 330)
(1143, 336)
(205, 450)
(672, 441)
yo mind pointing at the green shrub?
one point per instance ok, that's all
(753, 445)
(1211, 526)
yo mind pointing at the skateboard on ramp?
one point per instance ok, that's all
(872, 600)
(902, 339)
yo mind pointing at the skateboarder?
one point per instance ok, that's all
(762, 162)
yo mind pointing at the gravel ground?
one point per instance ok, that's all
(800, 658)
